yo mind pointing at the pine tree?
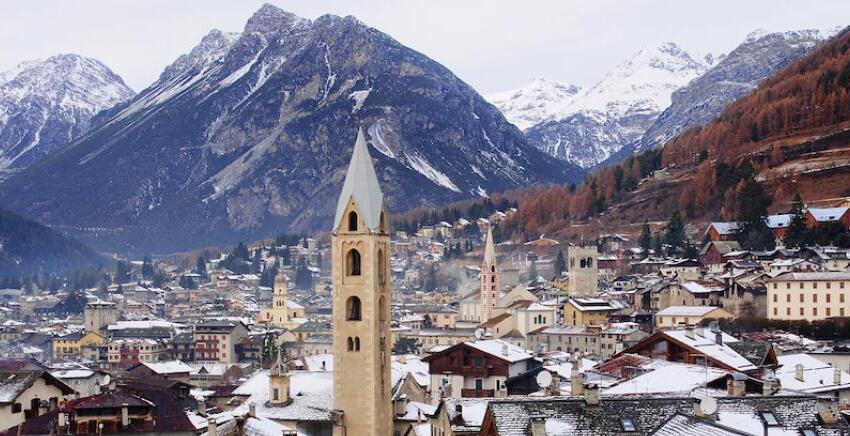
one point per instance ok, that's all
(201, 266)
(675, 236)
(797, 234)
(147, 268)
(753, 233)
(645, 238)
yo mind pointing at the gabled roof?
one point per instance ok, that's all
(827, 214)
(14, 383)
(489, 250)
(361, 185)
(725, 228)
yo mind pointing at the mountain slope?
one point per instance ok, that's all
(46, 104)
(249, 135)
(697, 103)
(618, 109)
(28, 248)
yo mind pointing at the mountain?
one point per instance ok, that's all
(46, 104)
(534, 102)
(603, 119)
(249, 135)
(786, 137)
(28, 248)
(758, 57)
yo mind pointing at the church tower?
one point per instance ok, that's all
(489, 280)
(280, 311)
(279, 382)
(361, 302)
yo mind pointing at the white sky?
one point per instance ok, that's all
(492, 44)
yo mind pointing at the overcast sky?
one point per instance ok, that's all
(494, 45)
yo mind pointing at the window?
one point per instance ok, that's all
(627, 424)
(353, 263)
(382, 267)
(775, 298)
(788, 298)
(774, 311)
(357, 343)
(352, 309)
(814, 311)
(493, 268)
(16, 408)
(828, 298)
(841, 298)
(350, 344)
(801, 312)
(479, 384)
(814, 298)
(352, 221)
(275, 394)
(769, 419)
(801, 298)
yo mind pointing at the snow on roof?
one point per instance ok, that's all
(311, 393)
(72, 373)
(264, 427)
(704, 341)
(169, 367)
(361, 185)
(501, 349)
(685, 311)
(695, 288)
(667, 377)
(413, 365)
(151, 324)
(818, 376)
(811, 276)
(537, 307)
(779, 221)
(827, 214)
(725, 228)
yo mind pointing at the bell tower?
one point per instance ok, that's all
(361, 302)
(489, 293)
(280, 312)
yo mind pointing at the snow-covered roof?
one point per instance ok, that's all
(151, 324)
(361, 185)
(704, 341)
(311, 394)
(501, 349)
(413, 365)
(818, 376)
(812, 276)
(169, 367)
(827, 214)
(725, 227)
(779, 221)
(667, 377)
(685, 311)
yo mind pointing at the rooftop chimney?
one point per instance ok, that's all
(591, 395)
(718, 337)
(538, 426)
(252, 409)
(125, 414)
(770, 385)
(505, 349)
(736, 386)
(212, 427)
(798, 373)
(202, 407)
(689, 332)
(836, 376)
(827, 410)
(576, 381)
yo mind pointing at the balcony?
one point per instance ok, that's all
(477, 393)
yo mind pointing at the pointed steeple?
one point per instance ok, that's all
(489, 250)
(279, 368)
(361, 184)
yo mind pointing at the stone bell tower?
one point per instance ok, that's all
(361, 302)
(489, 296)
(280, 311)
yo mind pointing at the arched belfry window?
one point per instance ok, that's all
(357, 343)
(352, 263)
(353, 309)
(492, 268)
(352, 221)
(382, 267)
(350, 344)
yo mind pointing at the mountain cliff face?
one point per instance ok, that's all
(617, 110)
(46, 104)
(758, 57)
(534, 102)
(249, 135)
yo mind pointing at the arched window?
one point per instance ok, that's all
(352, 309)
(382, 308)
(582, 263)
(357, 344)
(384, 227)
(590, 262)
(493, 268)
(350, 344)
(352, 221)
(353, 262)
(492, 279)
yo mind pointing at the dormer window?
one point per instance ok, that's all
(628, 424)
(769, 418)
(352, 221)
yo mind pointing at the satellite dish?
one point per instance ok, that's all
(544, 379)
(479, 333)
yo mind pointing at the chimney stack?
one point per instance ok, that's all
(202, 407)
(576, 381)
(836, 376)
(827, 410)
(689, 332)
(538, 426)
(252, 409)
(798, 373)
(505, 349)
(591, 395)
(125, 414)
(736, 386)
(212, 427)
(718, 337)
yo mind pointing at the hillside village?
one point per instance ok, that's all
(488, 337)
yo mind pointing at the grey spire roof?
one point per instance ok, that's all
(489, 250)
(361, 184)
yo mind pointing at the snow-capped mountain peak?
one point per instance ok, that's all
(45, 104)
(534, 102)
